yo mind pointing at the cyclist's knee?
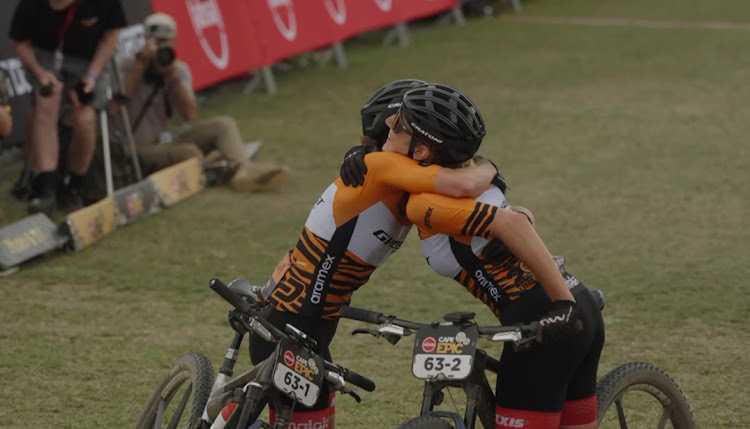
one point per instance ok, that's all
(512, 418)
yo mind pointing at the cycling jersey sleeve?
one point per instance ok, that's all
(401, 172)
(433, 214)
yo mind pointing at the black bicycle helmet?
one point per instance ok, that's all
(384, 103)
(446, 119)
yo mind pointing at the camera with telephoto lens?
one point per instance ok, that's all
(165, 55)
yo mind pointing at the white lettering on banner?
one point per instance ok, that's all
(130, 40)
(18, 84)
(384, 5)
(320, 281)
(288, 27)
(206, 14)
(337, 12)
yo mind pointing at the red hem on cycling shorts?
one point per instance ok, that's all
(579, 411)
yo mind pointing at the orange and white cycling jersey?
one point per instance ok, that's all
(453, 233)
(348, 233)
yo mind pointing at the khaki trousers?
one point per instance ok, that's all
(218, 133)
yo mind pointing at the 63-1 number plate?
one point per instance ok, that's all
(444, 351)
(298, 372)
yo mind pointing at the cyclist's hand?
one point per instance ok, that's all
(499, 179)
(353, 169)
(560, 323)
(524, 211)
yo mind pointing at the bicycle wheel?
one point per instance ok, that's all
(632, 388)
(192, 375)
(426, 422)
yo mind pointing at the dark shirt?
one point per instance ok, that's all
(37, 22)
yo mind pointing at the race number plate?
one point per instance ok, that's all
(298, 373)
(444, 351)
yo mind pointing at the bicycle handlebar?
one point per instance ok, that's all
(351, 376)
(245, 307)
(374, 317)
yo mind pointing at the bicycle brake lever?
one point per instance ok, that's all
(353, 394)
(372, 332)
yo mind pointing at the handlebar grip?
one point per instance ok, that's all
(361, 314)
(358, 380)
(229, 296)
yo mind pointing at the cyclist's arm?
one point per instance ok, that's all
(515, 230)
(404, 173)
(467, 217)
(465, 182)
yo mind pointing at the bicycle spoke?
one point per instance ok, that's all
(621, 413)
(180, 408)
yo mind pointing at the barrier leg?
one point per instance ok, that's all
(105, 151)
(262, 77)
(399, 32)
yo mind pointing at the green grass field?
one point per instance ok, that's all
(629, 144)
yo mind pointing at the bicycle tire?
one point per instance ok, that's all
(197, 371)
(614, 387)
(426, 422)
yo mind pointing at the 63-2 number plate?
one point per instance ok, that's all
(298, 372)
(445, 351)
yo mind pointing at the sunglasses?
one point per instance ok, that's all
(399, 124)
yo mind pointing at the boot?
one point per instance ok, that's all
(255, 177)
(71, 194)
(22, 188)
(43, 197)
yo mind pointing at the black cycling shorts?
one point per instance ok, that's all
(321, 330)
(541, 379)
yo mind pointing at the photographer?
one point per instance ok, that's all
(156, 83)
(65, 46)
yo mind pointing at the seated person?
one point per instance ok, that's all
(155, 81)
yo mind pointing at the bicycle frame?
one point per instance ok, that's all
(476, 385)
(477, 389)
(292, 374)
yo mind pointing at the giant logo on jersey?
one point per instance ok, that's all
(387, 239)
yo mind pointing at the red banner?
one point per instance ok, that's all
(414, 9)
(214, 37)
(221, 39)
(287, 28)
(367, 15)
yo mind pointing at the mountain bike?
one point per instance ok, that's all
(446, 355)
(188, 396)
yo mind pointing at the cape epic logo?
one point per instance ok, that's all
(284, 18)
(206, 15)
(337, 11)
(384, 5)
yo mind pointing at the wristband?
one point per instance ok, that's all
(7, 108)
(91, 75)
(174, 82)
